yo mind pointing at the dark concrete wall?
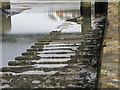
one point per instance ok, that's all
(6, 5)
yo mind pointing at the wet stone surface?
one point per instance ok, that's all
(60, 60)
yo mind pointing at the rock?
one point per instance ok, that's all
(116, 61)
(36, 82)
(111, 85)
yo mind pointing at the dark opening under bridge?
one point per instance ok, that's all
(62, 60)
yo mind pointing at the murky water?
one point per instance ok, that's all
(22, 30)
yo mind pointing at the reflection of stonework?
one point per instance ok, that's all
(68, 14)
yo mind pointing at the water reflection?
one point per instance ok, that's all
(21, 31)
(63, 14)
(6, 25)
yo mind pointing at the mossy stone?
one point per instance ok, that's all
(28, 58)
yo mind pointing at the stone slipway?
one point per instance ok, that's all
(60, 60)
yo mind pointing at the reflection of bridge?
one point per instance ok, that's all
(66, 14)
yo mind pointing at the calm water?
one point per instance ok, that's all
(22, 30)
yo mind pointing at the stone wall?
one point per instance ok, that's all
(110, 60)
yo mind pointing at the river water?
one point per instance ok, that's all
(21, 31)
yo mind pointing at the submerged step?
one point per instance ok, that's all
(42, 61)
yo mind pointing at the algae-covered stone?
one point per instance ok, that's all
(29, 53)
(16, 69)
(28, 58)
(16, 63)
(42, 43)
(45, 41)
(37, 46)
(34, 50)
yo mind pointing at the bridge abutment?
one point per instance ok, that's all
(5, 4)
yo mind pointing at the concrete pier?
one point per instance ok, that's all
(5, 4)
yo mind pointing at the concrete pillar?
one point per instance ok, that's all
(85, 10)
(101, 8)
(5, 4)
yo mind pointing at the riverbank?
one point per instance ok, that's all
(110, 61)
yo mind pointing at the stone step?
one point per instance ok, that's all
(68, 38)
(38, 46)
(26, 63)
(62, 45)
(68, 41)
(72, 47)
(44, 67)
(42, 43)
(55, 55)
(28, 57)
(40, 50)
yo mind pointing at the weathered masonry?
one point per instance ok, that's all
(5, 4)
